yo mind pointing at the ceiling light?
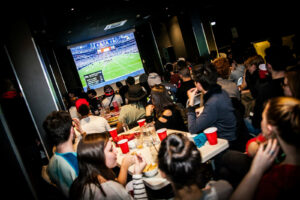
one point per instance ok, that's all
(115, 25)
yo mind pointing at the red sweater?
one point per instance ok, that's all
(280, 182)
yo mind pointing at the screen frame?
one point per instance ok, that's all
(103, 38)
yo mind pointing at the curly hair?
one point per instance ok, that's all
(223, 67)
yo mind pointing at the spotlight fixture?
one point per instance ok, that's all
(115, 25)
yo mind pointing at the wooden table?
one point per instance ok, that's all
(157, 182)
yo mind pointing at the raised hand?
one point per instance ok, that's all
(264, 158)
(149, 109)
(191, 95)
(127, 161)
(140, 164)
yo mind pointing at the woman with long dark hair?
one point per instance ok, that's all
(96, 180)
(163, 111)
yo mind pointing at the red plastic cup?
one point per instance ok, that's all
(263, 74)
(262, 71)
(211, 135)
(113, 132)
(162, 133)
(141, 122)
(116, 106)
(123, 144)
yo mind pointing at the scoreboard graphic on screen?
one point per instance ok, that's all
(94, 78)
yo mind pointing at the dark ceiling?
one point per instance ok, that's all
(64, 25)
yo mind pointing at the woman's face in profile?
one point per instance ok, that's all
(286, 89)
(251, 68)
(110, 153)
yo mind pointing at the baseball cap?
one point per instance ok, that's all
(80, 102)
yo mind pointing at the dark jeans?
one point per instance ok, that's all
(232, 166)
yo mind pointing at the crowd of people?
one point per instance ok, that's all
(254, 103)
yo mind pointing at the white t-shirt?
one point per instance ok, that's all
(73, 112)
(94, 124)
(117, 98)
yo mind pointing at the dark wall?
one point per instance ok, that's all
(148, 48)
(67, 68)
(189, 38)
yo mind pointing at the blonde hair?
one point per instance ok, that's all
(284, 114)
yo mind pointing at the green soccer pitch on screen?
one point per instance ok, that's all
(108, 60)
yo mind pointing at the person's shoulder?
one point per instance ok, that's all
(115, 190)
(111, 183)
(105, 99)
(58, 160)
(97, 118)
(118, 96)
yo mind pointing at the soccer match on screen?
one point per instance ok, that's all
(108, 60)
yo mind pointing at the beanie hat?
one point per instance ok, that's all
(154, 79)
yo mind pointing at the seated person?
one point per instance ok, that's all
(63, 167)
(266, 180)
(96, 180)
(179, 162)
(89, 122)
(72, 110)
(110, 97)
(122, 90)
(143, 81)
(223, 69)
(218, 110)
(186, 84)
(237, 68)
(155, 79)
(291, 84)
(93, 100)
(166, 114)
(135, 109)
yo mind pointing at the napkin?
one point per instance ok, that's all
(200, 140)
